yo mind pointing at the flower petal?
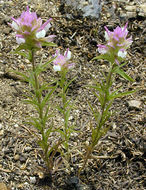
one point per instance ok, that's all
(50, 38)
(67, 54)
(45, 25)
(57, 68)
(102, 49)
(106, 36)
(20, 40)
(15, 25)
(122, 53)
(41, 34)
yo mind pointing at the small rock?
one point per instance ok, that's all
(131, 8)
(134, 104)
(6, 151)
(3, 186)
(108, 15)
(16, 157)
(28, 149)
(131, 14)
(33, 180)
(22, 159)
(1, 132)
(6, 30)
(26, 184)
(21, 186)
(41, 175)
(1, 74)
(70, 118)
(16, 125)
(142, 11)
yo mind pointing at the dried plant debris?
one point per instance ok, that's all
(119, 160)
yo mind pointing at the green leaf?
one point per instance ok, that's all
(46, 98)
(23, 47)
(42, 67)
(47, 133)
(67, 103)
(62, 132)
(122, 94)
(36, 123)
(34, 103)
(95, 87)
(106, 56)
(21, 53)
(96, 114)
(67, 85)
(100, 97)
(49, 44)
(121, 65)
(24, 77)
(113, 93)
(123, 74)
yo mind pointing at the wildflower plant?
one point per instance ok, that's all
(114, 52)
(30, 35)
(62, 64)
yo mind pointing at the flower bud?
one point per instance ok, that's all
(30, 30)
(117, 43)
(62, 61)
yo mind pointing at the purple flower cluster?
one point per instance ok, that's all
(62, 61)
(117, 43)
(30, 29)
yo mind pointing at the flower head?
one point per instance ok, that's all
(62, 61)
(30, 29)
(117, 43)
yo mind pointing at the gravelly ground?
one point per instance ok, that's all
(20, 164)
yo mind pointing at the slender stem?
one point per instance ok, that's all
(99, 125)
(89, 151)
(37, 86)
(108, 80)
(64, 100)
(38, 96)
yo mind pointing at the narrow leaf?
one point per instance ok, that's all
(49, 44)
(122, 94)
(123, 74)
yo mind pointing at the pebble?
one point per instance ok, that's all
(16, 125)
(1, 132)
(33, 180)
(1, 126)
(131, 14)
(70, 118)
(6, 30)
(1, 74)
(131, 8)
(3, 186)
(26, 184)
(16, 157)
(22, 159)
(28, 149)
(134, 104)
(90, 8)
(142, 10)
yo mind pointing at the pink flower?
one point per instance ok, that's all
(117, 42)
(118, 37)
(30, 29)
(102, 49)
(62, 61)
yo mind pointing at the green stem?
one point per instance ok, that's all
(64, 100)
(97, 137)
(108, 80)
(38, 96)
